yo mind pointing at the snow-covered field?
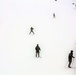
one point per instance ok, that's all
(55, 36)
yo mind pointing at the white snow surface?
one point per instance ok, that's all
(55, 36)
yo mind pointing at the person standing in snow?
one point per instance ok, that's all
(54, 15)
(70, 56)
(37, 48)
(31, 30)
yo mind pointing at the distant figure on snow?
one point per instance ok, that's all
(55, 0)
(70, 56)
(73, 3)
(54, 15)
(31, 30)
(37, 48)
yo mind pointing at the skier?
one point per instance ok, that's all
(53, 15)
(31, 30)
(37, 48)
(70, 56)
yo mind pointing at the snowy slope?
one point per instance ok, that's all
(55, 36)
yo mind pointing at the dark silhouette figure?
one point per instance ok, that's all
(54, 15)
(37, 48)
(55, 0)
(70, 56)
(73, 3)
(31, 30)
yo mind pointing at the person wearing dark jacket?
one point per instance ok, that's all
(31, 30)
(70, 56)
(37, 48)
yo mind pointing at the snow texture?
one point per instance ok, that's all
(55, 36)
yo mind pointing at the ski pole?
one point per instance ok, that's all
(72, 61)
(66, 64)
